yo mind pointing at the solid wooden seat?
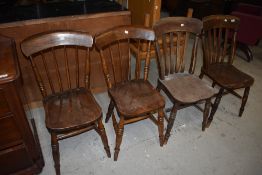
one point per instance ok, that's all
(136, 97)
(228, 76)
(182, 88)
(71, 110)
(186, 88)
(219, 48)
(70, 107)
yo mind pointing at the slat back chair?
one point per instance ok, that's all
(180, 85)
(70, 108)
(134, 99)
(141, 53)
(219, 48)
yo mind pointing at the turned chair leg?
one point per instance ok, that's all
(206, 123)
(215, 105)
(102, 132)
(55, 151)
(161, 115)
(109, 111)
(244, 101)
(170, 123)
(119, 136)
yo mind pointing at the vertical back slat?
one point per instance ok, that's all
(165, 54)
(138, 58)
(182, 56)
(105, 69)
(219, 44)
(129, 60)
(215, 44)
(38, 77)
(120, 60)
(225, 45)
(147, 62)
(47, 73)
(210, 46)
(160, 60)
(172, 53)
(67, 68)
(113, 63)
(57, 70)
(77, 66)
(233, 48)
(178, 53)
(87, 69)
(194, 55)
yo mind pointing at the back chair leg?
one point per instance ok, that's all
(201, 75)
(170, 123)
(109, 111)
(244, 101)
(55, 151)
(215, 105)
(102, 132)
(206, 114)
(119, 136)
(161, 126)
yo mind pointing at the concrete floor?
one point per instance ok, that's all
(231, 145)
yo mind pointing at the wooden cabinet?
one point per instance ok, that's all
(20, 151)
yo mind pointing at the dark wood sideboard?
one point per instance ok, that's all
(20, 152)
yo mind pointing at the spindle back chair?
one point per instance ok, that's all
(219, 48)
(135, 99)
(181, 86)
(61, 65)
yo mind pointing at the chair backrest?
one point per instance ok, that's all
(219, 39)
(116, 42)
(60, 60)
(172, 35)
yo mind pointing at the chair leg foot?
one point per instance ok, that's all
(109, 111)
(161, 126)
(102, 132)
(55, 152)
(244, 101)
(170, 123)
(119, 136)
(206, 114)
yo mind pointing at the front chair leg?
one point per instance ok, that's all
(170, 123)
(205, 123)
(244, 101)
(55, 151)
(119, 136)
(102, 132)
(109, 111)
(161, 126)
(215, 105)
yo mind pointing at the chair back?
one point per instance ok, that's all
(219, 39)
(60, 60)
(172, 35)
(117, 41)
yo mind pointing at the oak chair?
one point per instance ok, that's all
(70, 107)
(182, 87)
(219, 48)
(134, 99)
(140, 53)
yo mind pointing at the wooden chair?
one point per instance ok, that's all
(134, 99)
(140, 53)
(70, 107)
(219, 47)
(182, 87)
